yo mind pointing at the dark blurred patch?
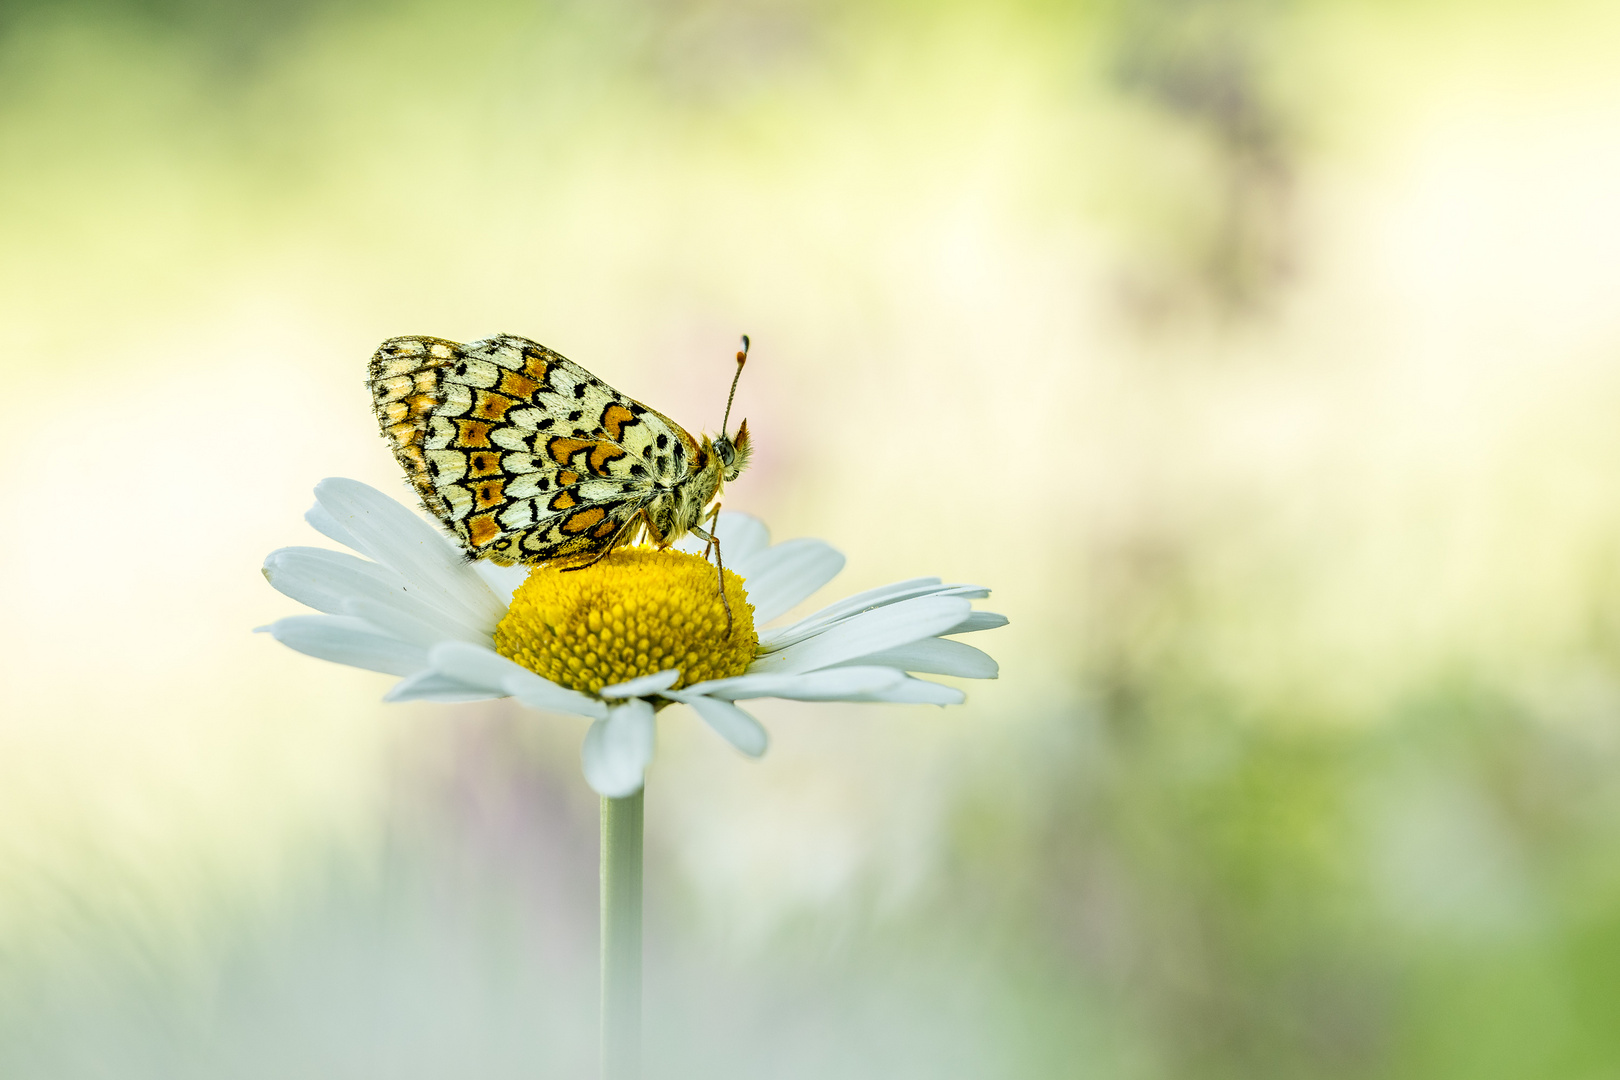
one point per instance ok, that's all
(233, 35)
(1204, 62)
(709, 50)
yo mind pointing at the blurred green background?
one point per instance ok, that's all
(1262, 355)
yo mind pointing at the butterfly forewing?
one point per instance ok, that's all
(524, 454)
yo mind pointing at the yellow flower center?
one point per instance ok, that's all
(636, 612)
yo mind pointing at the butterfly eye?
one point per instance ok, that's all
(727, 453)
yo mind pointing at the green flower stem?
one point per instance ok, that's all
(621, 937)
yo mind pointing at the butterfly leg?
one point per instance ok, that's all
(712, 541)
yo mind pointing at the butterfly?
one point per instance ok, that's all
(528, 458)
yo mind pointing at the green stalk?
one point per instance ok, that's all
(621, 937)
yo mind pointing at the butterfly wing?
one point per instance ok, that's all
(523, 454)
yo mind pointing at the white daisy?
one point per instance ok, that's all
(636, 632)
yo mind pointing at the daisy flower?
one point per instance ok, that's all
(638, 631)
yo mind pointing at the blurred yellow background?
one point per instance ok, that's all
(1263, 356)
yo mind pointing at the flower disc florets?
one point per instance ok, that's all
(636, 612)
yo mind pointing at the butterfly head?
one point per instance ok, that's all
(733, 452)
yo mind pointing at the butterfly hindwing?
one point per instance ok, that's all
(524, 454)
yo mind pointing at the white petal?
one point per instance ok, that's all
(618, 750)
(920, 692)
(783, 636)
(781, 577)
(835, 684)
(322, 579)
(327, 525)
(979, 620)
(881, 684)
(401, 540)
(503, 581)
(430, 685)
(742, 536)
(409, 623)
(538, 693)
(644, 685)
(485, 669)
(904, 690)
(732, 724)
(935, 656)
(349, 641)
(883, 594)
(869, 632)
(340, 584)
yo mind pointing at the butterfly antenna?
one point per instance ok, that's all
(742, 358)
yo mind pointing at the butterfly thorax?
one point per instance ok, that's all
(682, 504)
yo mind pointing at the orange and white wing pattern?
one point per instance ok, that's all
(523, 454)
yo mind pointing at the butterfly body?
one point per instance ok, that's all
(527, 457)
